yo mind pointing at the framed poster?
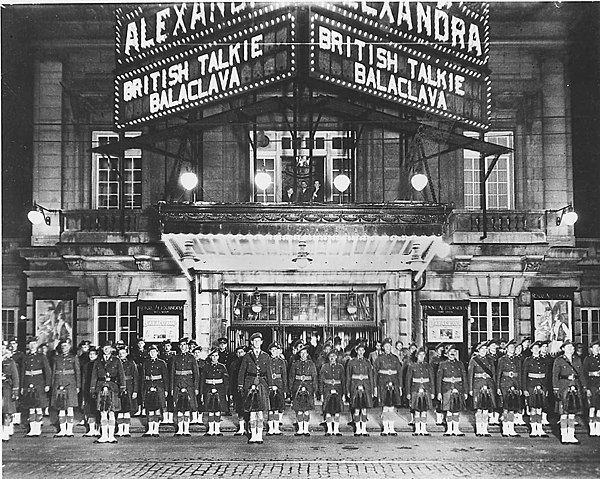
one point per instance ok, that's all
(445, 329)
(54, 321)
(161, 320)
(552, 317)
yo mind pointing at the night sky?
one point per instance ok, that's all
(17, 75)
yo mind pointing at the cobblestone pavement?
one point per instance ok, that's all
(289, 456)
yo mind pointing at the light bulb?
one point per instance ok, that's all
(262, 180)
(419, 181)
(569, 218)
(341, 182)
(188, 180)
(35, 217)
(442, 249)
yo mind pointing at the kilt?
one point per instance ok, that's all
(511, 400)
(154, 398)
(276, 400)
(390, 396)
(595, 399)
(8, 405)
(107, 398)
(421, 401)
(303, 400)
(126, 402)
(34, 397)
(453, 401)
(185, 397)
(571, 401)
(257, 398)
(537, 398)
(332, 403)
(68, 392)
(214, 401)
(360, 399)
(484, 399)
(89, 405)
(239, 403)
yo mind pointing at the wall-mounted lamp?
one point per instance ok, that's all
(262, 180)
(38, 215)
(419, 181)
(567, 217)
(256, 306)
(302, 258)
(352, 308)
(189, 180)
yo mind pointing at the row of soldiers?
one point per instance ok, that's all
(182, 384)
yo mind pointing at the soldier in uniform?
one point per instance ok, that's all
(10, 391)
(303, 386)
(359, 389)
(410, 356)
(35, 380)
(167, 354)
(332, 384)
(88, 403)
(434, 362)
(185, 387)
(481, 382)
(494, 354)
(215, 388)
(66, 381)
(138, 353)
(591, 382)
(107, 383)
(129, 403)
(388, 370)
(549, 361)
(451, 387)
(235, 393)
(420, 391)
(566, 382)
(535, 383)
(508, 374)
(225, 356)
(254, 380)
(279, 389)
(17, 357)
(201, 363)
(155, 387)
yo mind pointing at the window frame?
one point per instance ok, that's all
(118, 319)
(587, 337)
(489, 326)
(5, 335)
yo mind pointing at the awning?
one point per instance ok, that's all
(348, 110)
(205, 253)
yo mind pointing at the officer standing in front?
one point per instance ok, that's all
(359, 389)
(388, 370)
(35, 382)
(155, 387)
(185, 385)
(303, 386)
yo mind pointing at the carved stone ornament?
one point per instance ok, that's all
(462, 263)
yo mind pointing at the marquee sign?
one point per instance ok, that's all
(350, 57)
(239, 62)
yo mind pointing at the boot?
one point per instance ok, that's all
(424, 429)
(179, 429)
(439, 418)
(69, 429)
(5, 434)
(449, 428)
(271, 430)
(211, 429)
(417, 428)
(512, 430)
(457, 431)
(384, 432)
(119, 432)
(519, 419)
(11, 429)
(241, 429)
(534, 430)
(16, 418)
(35, 429)
(92, 431)
(484, 427)
(218, 428)
(254, 435)
(111, 434)
(126, 432)
(545, 419)
(571, 433)
(336, 428)
(306, 431)
(277, 429)
(259, 434)
(564, 436)
(391, 430)
(104, 434)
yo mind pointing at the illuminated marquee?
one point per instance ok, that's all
(251, 58)
(350, 57)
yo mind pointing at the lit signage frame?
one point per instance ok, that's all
(397, 73)
(204, 74)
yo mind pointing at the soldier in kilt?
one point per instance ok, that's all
(167, 356)
(591, 382)
(107, 384)
(155, 386)
(185, 387)
(481, 382)
(10, 391)
(303, 385)
(359, 389)
(437, 358)
(235, 393)
(254, 380)
(66, 381)
(508, 374)
(215, 389)
(279, 389)
(129, 402)
(35, 381)
(419, 391)
(200, 363)
(388, 370)
(88, 403)
(332, 384)
(568, 389)
(534, 381)
(451, 387)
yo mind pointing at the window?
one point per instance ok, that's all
(491, 318)
(590, 325)
(288, 168)
(500, 182)
(116, 319)
(106, 171)
(9, 323)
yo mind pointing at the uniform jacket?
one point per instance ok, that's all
(35, 369)
(591, 372)
(508, 373)
(155, 373)
(566, 373)
(184, 373)
(105, 370)
(477, 376)
(388, 369)
(255, 370)
(132, 376)
(215, 373)
(359, 372)
(331, 377)
(279, 374)
(10, 375)
(451, 374)
(534, 373)
(303, 373)
(66, 373)
(419, 375)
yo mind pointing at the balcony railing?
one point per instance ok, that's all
(129, 223)
(507, 221)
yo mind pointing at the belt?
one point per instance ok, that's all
(388, 372)
(154, 378)
(481, 375)
(185, 372)
(333, 382)
(360, 377)
(66, 371)
(420, 380)
(536, 375)
(571, 377)
(509, 374)
(595, 374)
(214, 381)
(35, 372)
(452, 380)
(303, 378)
(276, 376)
(254, 375)
(128, 378)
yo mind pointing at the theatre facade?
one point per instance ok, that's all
(307, 129)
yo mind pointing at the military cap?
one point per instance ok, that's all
(297, 343)
(256, 335)
(304, 347)
(184, 340)
(421, 349)
(152, 347)
(512, 341)
(213, 351)
(167, 341)
(31, 339)
(222, 340)
(439, 345)
(537, 343)
(107, 342)
(332, 352)
(386, 341)
(526, 338)
(360, 344)
(274, 345)
(481, 345)
(243, 348)
(595, 343)
(566, 343)
(492, 341)
(93, 349)
(84, 342)
(197, 348)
